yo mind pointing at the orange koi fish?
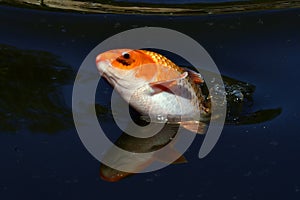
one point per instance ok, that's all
(155, 86)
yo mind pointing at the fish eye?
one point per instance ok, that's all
(126, 55)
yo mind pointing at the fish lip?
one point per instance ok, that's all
(104, 71)
(98, 59)
(102, 65)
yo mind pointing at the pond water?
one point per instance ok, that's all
(43, 156)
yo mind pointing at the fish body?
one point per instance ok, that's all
(153, 84)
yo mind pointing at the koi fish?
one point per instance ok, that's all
(155, 86)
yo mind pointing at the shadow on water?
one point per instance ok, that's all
(31, 84)
(31, 96)
(241, 104)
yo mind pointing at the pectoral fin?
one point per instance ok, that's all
(164, 86)
(194, 126)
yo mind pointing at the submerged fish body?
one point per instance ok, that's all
(152, 84)
(139, 145)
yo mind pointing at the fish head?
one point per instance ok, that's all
(126, 68)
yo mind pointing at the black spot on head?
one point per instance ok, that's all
(122, 61)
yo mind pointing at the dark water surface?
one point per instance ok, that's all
(43, 157)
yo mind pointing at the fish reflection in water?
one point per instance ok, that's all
(129, 71)
(140, 145)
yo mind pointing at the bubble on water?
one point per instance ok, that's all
(217, 92)
(260, 21)
(117, 25)
(297, 188)
(161, 118)
(247, 174)
(63, 29)
(149, 180)
(274, 143)
(238, 96)
(236, 119)
(17, 149)
(219, 89)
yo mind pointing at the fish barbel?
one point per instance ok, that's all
(154, 85)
